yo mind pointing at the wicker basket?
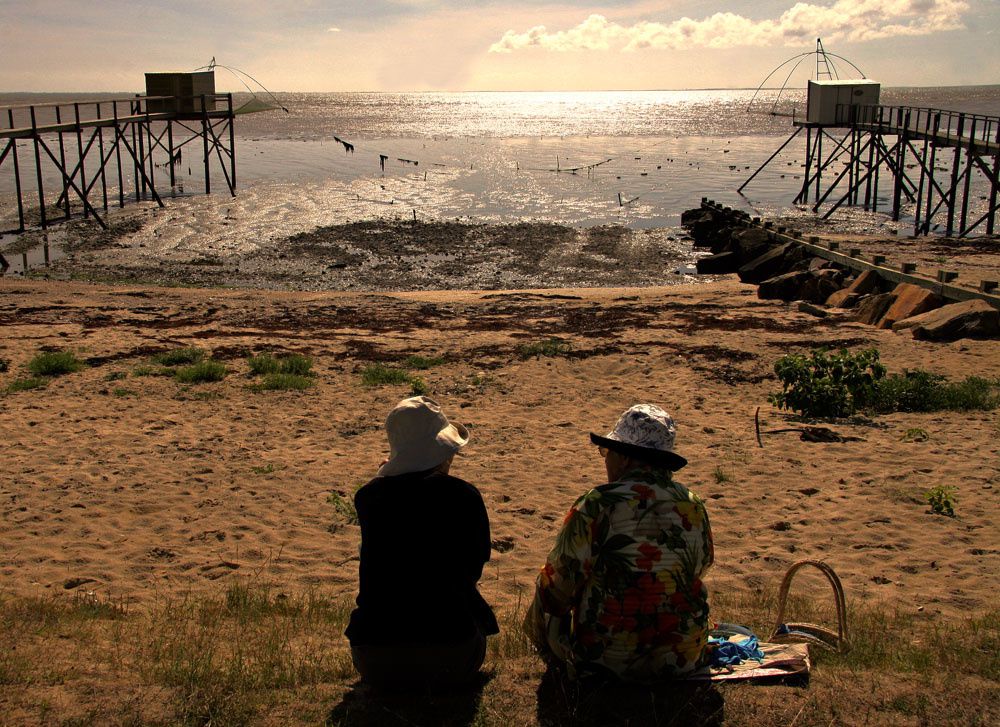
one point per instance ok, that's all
(821, 636)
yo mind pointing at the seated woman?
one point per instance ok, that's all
(425, 537)
(621, 592)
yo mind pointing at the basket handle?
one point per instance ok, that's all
(838, 594)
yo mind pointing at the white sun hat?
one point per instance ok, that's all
(420, 437)
(644, 431)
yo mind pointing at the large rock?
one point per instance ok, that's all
(910, 300)
(871, 308)
(690, 216)
(724, 262)
(842, 298)
(776, 261)
(784, 287)
(750, 243)
(969, 319)
(722, 239)
(867, 282)
(817, 287)
(703, 230)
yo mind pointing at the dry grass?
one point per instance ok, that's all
(255, 655)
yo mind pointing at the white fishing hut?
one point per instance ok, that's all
(825, 96)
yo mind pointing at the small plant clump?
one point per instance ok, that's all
(549, 348)
(942, 500)
(266, 363)
(201, 372)
(720, 475)
(344, 507)
(55, 363)
(284, 382)
(27, 384)
(4, 365)
(179, 357)
(378, 374)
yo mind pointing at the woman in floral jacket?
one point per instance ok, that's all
(622, 592)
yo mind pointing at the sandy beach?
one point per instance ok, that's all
(138, 486)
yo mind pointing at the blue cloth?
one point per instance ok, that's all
(730, 653)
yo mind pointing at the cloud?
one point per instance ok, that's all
(333, 30)
(844, 20)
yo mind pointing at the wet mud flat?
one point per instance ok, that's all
(381, 255)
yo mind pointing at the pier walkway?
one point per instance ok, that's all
(931, 157)
(87, 148)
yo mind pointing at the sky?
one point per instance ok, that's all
(492, 45)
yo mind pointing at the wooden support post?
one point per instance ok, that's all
(232, 146)
(929, 212)
(819, 163)
(100, 147)
(897, 187)
(204, 138)
(968, 177)
(134, 110)
(923, 173)
(79, 150)
(807, 176)
(62, 160)
(17, 176)
(118, 155)
(170, 153)
(993, 187)
(38, 168)
(956, 162)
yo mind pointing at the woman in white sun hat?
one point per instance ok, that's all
(425, 537)
(621, 592)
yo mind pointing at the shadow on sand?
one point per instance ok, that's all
(602, 701)
(364, 706)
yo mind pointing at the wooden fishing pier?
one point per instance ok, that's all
(936, 160)
(120, 148)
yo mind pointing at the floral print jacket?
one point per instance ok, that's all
(622, 590)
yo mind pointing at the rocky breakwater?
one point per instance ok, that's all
(785, 268)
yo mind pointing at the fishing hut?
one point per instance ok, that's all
(81, 154)
(941, 164)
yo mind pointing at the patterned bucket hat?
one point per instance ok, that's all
(420, 437)
(644, 431)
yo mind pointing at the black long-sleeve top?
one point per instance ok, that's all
(425, 538)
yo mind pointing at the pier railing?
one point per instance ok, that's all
(947, 128)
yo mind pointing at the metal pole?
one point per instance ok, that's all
(761, 167)
(38, 169)
(17, 176)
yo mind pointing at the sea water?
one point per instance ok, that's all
(633, 158)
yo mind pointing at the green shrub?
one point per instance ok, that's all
(344, 507)
(263, 364)
(283, 382)
(121, 392)
(378, 374)
(201, 372)
(32, 382)
(923, 391)
(179, 357)
(55, 363)
(550, 347)
(827, 384)
(942, 500)
(418, 387)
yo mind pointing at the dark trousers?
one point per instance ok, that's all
(420, 665)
